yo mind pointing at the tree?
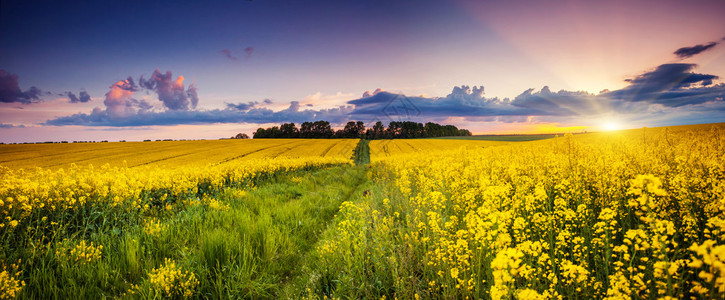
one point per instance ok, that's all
(322, 130)
(306, 130)
(356, 129)
(433, 130)
(289, 131)
(241, 136)
(378, 131)
(393, 130)
(353, 130)
(261, 133)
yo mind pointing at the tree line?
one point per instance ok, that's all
(357, 130)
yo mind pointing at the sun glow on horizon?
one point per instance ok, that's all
(611, 125)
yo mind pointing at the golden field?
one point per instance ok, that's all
(635, 214)
(166, 153)
(632, 214)
(60, 204)
(385, 148)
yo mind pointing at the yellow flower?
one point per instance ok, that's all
(171, 281)
(9, 285)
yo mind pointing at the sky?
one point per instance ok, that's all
(136, 70)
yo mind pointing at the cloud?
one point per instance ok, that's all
(10, 90)
(465, 91)
(82, 98)
(170, 91)
(6, 126)
(228, 54)
(193, 96)
(242, 106)
(561, 103)
(122, 109)
(118, 102)
(229, 115)
(456, 104)
(669, 89)
(686, 52)
(369, 94)
(668, 85)
(248, 51)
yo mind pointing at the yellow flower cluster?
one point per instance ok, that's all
(10, 286)
(45, 191)
(168, 154)
(81, 253)
(154, 227)
(171, 281)
(610, 215)
(710, 260)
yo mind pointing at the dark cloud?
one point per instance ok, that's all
(242, 106)
(82, 98)
(230, 115)
(228, 54)
(72, 97)
(669, 85)
(546, 102)
(3, 125)
(670, 77)
(248, 51)
(146, 84)
(461, 102)
(122, 108)
(686, 52)
(193, 97)
(10, 90)
(668, 89)
(171, 91)
(466, 91)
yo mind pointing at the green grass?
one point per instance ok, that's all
(361, 156)
(362, 254)
(502, 138)
(255, 248)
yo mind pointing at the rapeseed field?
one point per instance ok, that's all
(632, 214)
(635, 214)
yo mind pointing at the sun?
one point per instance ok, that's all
(611, 126)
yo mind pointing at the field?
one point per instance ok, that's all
(384, 148)
(503, 138)
(636, 214)
(167, 153)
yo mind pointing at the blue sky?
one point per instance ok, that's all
(305, 60)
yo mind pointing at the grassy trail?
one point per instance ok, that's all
(362, 153)
(263, 245)
(253, 243)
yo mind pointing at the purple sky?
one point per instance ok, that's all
(100, 71)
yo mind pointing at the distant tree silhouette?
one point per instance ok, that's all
(289, 130)
(356, 130)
